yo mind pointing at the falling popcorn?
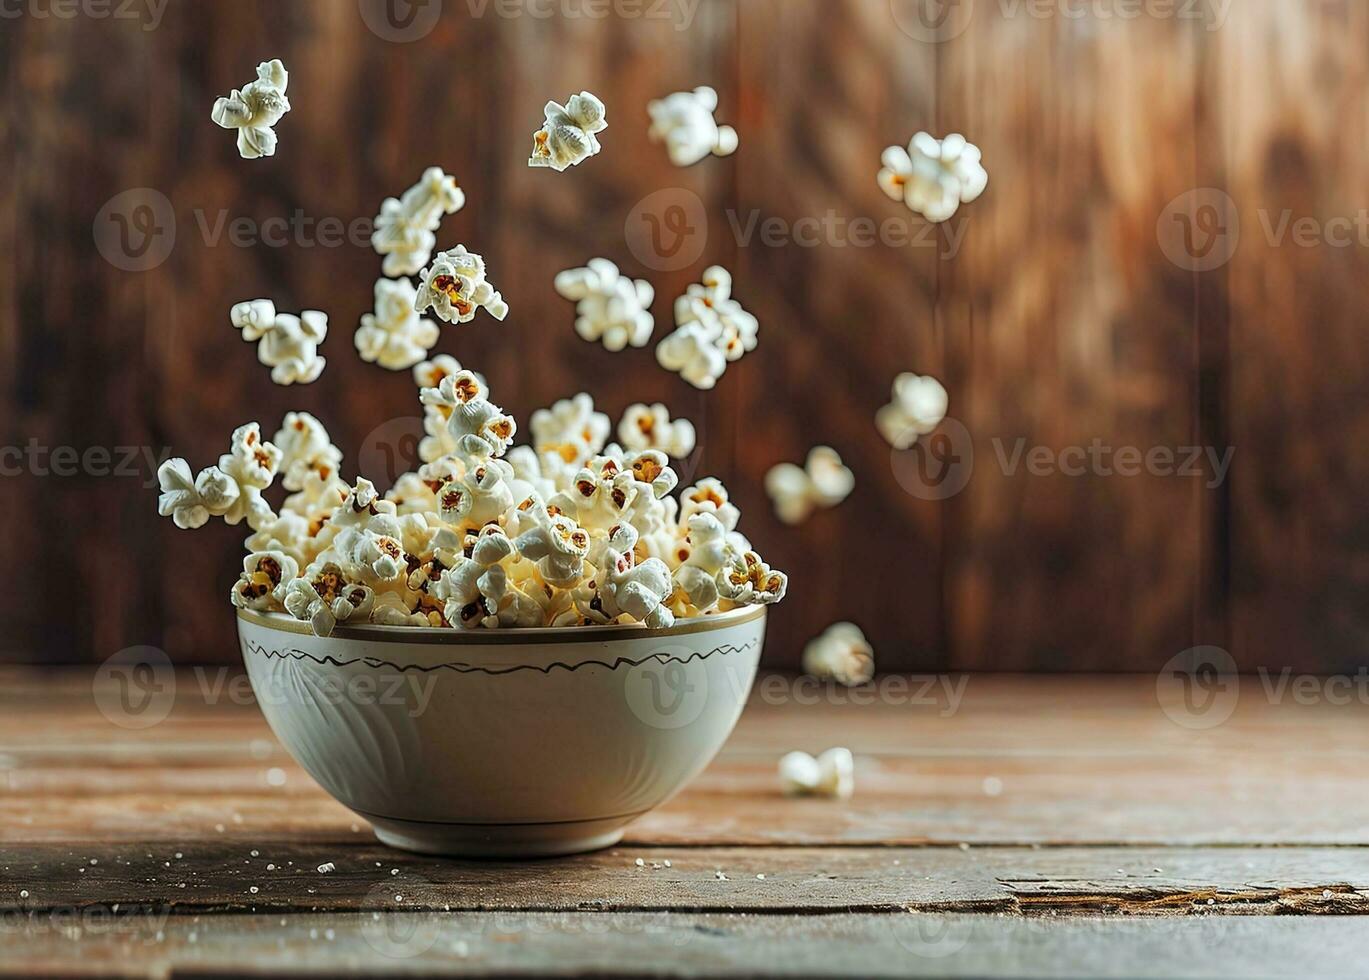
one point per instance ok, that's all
(712, 329)
(395, 336)
(611, 307)
(796, 491)
(831, 774)
(918, 406)
(651, 427)
(287, 344)
(254, 109)
(842, 653)
(567, 136)
(933, 177)
(405, 229)
(684, 122)
(454, 288)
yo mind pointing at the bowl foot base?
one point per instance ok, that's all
(499, 840)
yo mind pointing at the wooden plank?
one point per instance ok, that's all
(220, 877)
(654, 944)
(1005, 765)
(1294, 286)
(1068, 333)
(825, 88)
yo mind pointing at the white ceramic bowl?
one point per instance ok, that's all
(514, 743)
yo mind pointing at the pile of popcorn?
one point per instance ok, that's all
(567, 531)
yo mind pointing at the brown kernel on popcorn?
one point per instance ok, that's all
(586, 488)
(646, 469)
(619, 497)
(271, 569)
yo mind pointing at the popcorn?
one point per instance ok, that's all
(712, 329)
(650, 427)
(395, 336)
(260, 585)
(747, 580)
(571, 429)
(611, 307)
(454, 288)
(831, 774)
(684, 122)
(288, 344)
(918, 406)
(842, 653)
(933, 177)
(625, 588)
(797, 491)
(325, 598)
(567, 136)
(405, 229)
(474, 586)
(555, 542)
(254, 109)
(709, 496)
(485, 534)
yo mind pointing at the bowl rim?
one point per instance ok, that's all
(527, 636)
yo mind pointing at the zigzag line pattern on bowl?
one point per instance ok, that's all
(462, 668)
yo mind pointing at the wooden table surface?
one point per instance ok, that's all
(1002, 825)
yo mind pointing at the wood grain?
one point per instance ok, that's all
(1055, 318)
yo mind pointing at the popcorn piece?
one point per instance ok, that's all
(306, 450)
(254, 109)
(325, 598)
(395, 336)
(571, 429)
(832, 774)
(650, 427)
(712, 329)
(624, 588)
(454, 288)
(918, 406)
(260, 585)
(474, 586)
(747, 580)
(555, 542)
(181, 499)
(475, 428)
(429, 374)
(933, 177)
(288, 344)
(611, 307)
(797, 491)
(477, 499)
(842, 653)
(567, 136)
(709, 496)
(405, 229)
(684, 122)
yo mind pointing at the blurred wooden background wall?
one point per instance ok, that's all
(1058, 320)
